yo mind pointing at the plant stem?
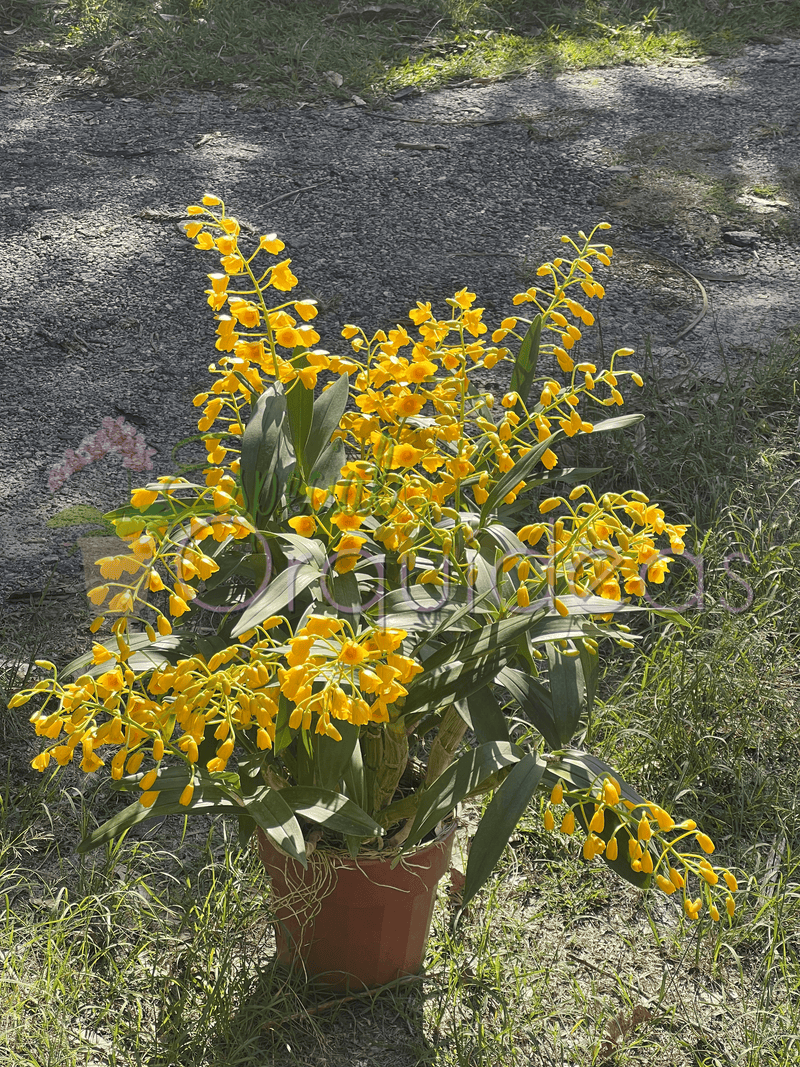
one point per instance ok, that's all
(385, 749)
(446, 744)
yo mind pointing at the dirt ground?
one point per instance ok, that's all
(103, 314)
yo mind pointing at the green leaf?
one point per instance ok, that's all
(622, 864)
(171, 782)
(497, 635)
(259, 443)
(355, 781)
(422, 608)
(518, 473)
(590, 664)
(449, 683)
(568, 475)
(267, 458)
(274, 816)
(508, 542)
(462, 777)
(136, 813)
(300, 408)
(534, 700)
(332, 758)
(328, 465)
(499, 821)
(279, 594)
(483, 714)
(524, 466)
(567, 692)
(619, 422)
(283, 735)
(328, 410)
(330, 809)
(304, 549)
(581, 770)
(247, 827)
(526, 362)
(573, 627)
(342, 593)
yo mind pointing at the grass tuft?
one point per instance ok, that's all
(310, 49)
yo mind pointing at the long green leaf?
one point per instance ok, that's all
(328, 465)
(534, 700)
(331, 810)
(508, 542)
(501, 634)
(523, 467)
(567, 692)
(304, 549)
(590, 664)
(421, 608)
(274, 816)
(581, 770)
(342, 594)
(247, 826)
(482, 713)
(621, 866)
(135, 813)
(518, 473)
(283, 735)
(526, 362)
(280, 593)
(328, 410)
(299, 408)
(452, 682)
(355, 782)
(261, 445)
(331, 757)
(171, 782)
(462, 777)
(499, 821)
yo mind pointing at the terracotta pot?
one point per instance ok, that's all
(356, 923)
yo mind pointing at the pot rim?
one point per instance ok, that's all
(444, 829)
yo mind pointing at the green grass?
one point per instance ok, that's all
(157, 951)
(288, 49)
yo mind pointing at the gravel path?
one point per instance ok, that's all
(103, 315)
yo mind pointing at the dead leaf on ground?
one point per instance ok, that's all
(204, 140)
(620, 1027)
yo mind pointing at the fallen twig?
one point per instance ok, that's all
(413, 146)
(296, 192)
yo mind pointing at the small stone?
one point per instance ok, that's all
(741, 238)
(760, 204)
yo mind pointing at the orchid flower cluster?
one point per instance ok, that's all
(375, 574)
(652, 840)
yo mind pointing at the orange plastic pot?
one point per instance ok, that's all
(355, 923)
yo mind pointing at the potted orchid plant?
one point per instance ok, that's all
(385, 595)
